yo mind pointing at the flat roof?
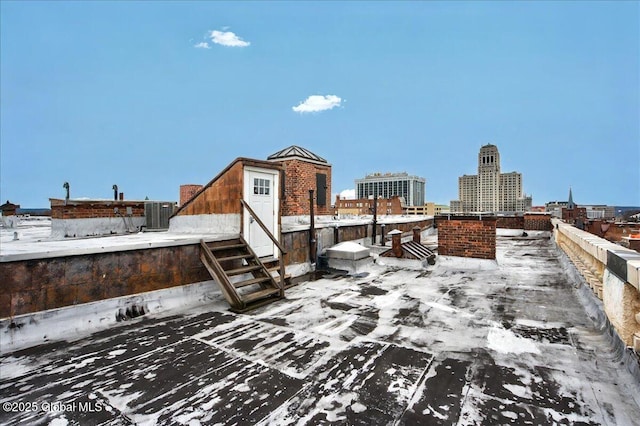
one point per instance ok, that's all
(34, 241)
(464, 341)
(34, 237)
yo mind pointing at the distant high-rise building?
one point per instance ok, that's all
(490, 190)
(411, 188)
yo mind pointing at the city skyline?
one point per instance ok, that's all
(153, 95)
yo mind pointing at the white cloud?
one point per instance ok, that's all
(202, 45)
(317, 103)
(348, 194)
(227, 38)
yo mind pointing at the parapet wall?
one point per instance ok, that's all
(83, 218)
(528, 222)
(537, 222)
(296, 242)
(612, 272)
(84, 209)
(40, 284)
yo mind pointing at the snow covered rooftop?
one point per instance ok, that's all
(462, 342)
(31, 238)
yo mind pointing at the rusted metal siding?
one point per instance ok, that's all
(222, 195)
(36, 285)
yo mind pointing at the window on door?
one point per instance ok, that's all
(261, 186)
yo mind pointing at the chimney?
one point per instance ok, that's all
(396, 242)
(416, 234)
(121, 196)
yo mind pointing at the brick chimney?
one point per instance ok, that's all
(467, 236)
(396, 242)
(187, 192)
(416, 234)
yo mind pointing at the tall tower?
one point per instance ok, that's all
(571, 205)
(488, 179)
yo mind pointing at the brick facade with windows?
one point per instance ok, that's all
(364, 206)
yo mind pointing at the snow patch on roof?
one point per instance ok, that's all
(505, 342)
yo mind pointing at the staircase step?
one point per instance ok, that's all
(236, 257)
(261, 294)
(227, 247)
(251, 281)
(275, 272)
(243, 270)
(216, 256)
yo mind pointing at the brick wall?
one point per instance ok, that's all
(612, 231)
(81, 209)
(467, 236)
(510, 222)
(574, 215)
(528, 222)
(364, 206)
(40, 284)
(300, 177)
(537, 222)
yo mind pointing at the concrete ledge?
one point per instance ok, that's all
(617, 281)
(95, 227)
(84, 319)
(19, 250)
(606, 252)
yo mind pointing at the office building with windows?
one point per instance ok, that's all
(388, 185)
(490, 190)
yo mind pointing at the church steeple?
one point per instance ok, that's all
(571, 205)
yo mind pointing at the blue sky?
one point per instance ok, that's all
(152, 95)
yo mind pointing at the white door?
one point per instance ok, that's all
(261, 193)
